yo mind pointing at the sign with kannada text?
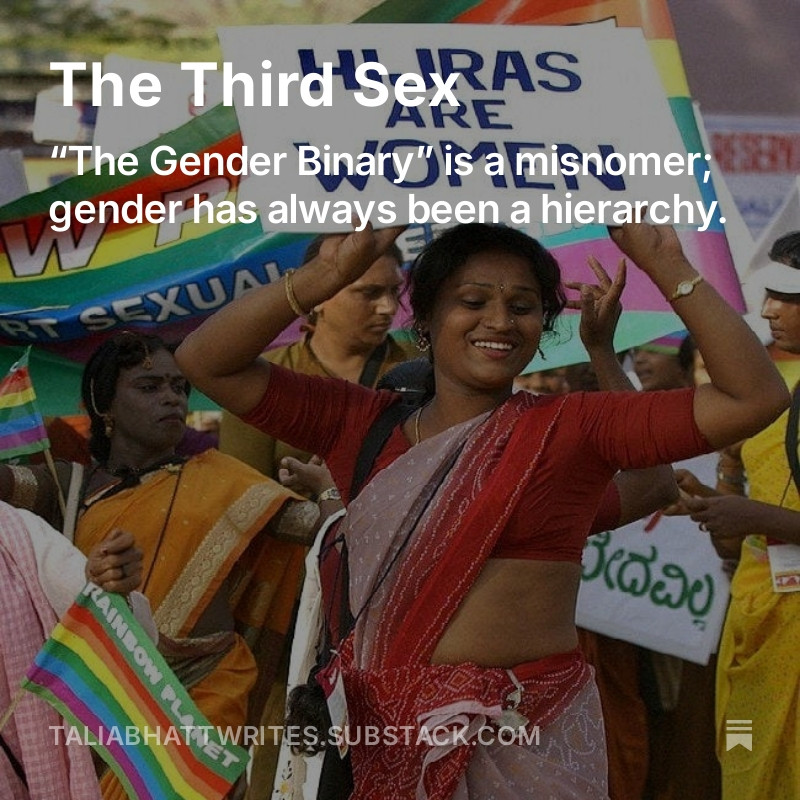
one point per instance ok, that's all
(657, 582)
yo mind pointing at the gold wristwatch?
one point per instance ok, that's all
(685, 288)
(329, 494)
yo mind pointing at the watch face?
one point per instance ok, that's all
(686, 287)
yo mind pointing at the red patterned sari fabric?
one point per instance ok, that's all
(418, 535)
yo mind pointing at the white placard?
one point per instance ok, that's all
(55, 122)
(657, 583)
(547, 90)
(13, 183)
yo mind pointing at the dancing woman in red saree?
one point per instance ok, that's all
(464, 547)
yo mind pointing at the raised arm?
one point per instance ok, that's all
(641, 491)
(221, 357)
(600, 309)
(746, 392)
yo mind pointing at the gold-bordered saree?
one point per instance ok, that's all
(198, 525)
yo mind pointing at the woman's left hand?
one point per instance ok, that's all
(115, 564)
(655, 249)
(599, 305)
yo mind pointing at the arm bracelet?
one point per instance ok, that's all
(290, 295)
(730, 479)
(331, 493)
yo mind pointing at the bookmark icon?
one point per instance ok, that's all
(738, 732)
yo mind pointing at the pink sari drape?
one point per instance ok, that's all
(53, 771)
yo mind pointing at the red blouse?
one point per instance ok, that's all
(604, 432)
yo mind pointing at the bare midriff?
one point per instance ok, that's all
(516, 611)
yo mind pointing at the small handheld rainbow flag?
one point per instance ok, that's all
(22, 429)
(104, 675)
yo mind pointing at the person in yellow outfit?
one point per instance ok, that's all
(758, 674)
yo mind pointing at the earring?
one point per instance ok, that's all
(108, 422)
(423, 340)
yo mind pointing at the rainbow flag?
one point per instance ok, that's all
(22, 429)
(104, 675)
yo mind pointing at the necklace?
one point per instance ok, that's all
(416, 425)
(173, 465)
(132, 475)
(179, 474)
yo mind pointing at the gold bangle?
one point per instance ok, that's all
(290, 295)
(25, 488)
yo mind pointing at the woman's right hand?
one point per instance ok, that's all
(309, 478)
(222, 357)
(350, 255)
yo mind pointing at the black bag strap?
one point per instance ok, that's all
(336, 779)
(376, 438)
(369, 375)
(373, 443)
(791, 440)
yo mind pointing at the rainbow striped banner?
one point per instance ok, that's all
(104, 675)
(22, 429)
(66, 291)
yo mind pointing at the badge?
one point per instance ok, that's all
(784, 565)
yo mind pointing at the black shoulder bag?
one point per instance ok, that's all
(307, 706)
